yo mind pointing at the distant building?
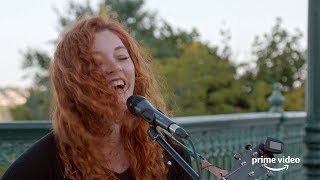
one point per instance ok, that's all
(10, 97)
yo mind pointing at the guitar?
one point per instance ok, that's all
(249, 167)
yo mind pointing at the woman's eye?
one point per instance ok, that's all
(123, 57)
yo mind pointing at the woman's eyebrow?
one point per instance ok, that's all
(120, 47)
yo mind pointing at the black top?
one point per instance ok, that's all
(40, 161)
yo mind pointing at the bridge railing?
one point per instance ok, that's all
(219, 137)
(216, 137)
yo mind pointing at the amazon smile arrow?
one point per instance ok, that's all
(276, 169)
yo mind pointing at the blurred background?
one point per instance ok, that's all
(233, 72)
(214, 57)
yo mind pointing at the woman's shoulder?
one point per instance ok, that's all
(37, 162)
(42, 146)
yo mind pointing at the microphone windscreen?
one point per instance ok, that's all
(132, 102)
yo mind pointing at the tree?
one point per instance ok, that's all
(162, 39)
(201, 82)
(36, 107)
(37, 62)
(279, 57)
(157, 35)
(294, 100)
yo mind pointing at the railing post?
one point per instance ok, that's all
(312, 139)
(276, 99)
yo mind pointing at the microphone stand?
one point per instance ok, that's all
(155, 135)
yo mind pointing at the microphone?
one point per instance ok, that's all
(141, 107)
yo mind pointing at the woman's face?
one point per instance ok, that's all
(113, 59)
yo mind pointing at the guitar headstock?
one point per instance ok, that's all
(252, 164)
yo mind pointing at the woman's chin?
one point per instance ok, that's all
(122, 99)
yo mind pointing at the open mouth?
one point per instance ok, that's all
(118, 84)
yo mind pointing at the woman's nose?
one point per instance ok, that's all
(113, 67)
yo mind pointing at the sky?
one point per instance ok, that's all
(33, 24)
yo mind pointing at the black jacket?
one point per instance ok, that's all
(40, 162)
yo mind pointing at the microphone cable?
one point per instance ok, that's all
(192, 152)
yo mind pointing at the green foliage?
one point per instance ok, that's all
(295, 99)
(259, 95)
(157, 35)
(160, 37)
(200, 79)
(279, 57)
(37, 62)
(36, 107)
(170, 42)
(201, 82)
(72, 12)
(162, 40)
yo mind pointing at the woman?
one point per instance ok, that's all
(96, 67)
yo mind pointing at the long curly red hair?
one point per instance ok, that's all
(84, 107)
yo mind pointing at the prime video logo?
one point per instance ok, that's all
(281, 160)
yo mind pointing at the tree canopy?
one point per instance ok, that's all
(200, 79)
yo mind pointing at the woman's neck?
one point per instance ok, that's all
(115, 136)
(118, 160)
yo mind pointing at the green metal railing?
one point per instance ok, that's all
(16, 137)
(216, 137)
(219, 137)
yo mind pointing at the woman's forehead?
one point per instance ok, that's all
(105, 39)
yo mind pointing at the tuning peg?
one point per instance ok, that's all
(251, 174)
(248, 147)
(269, 174)
(255, 154)
(237, 156)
